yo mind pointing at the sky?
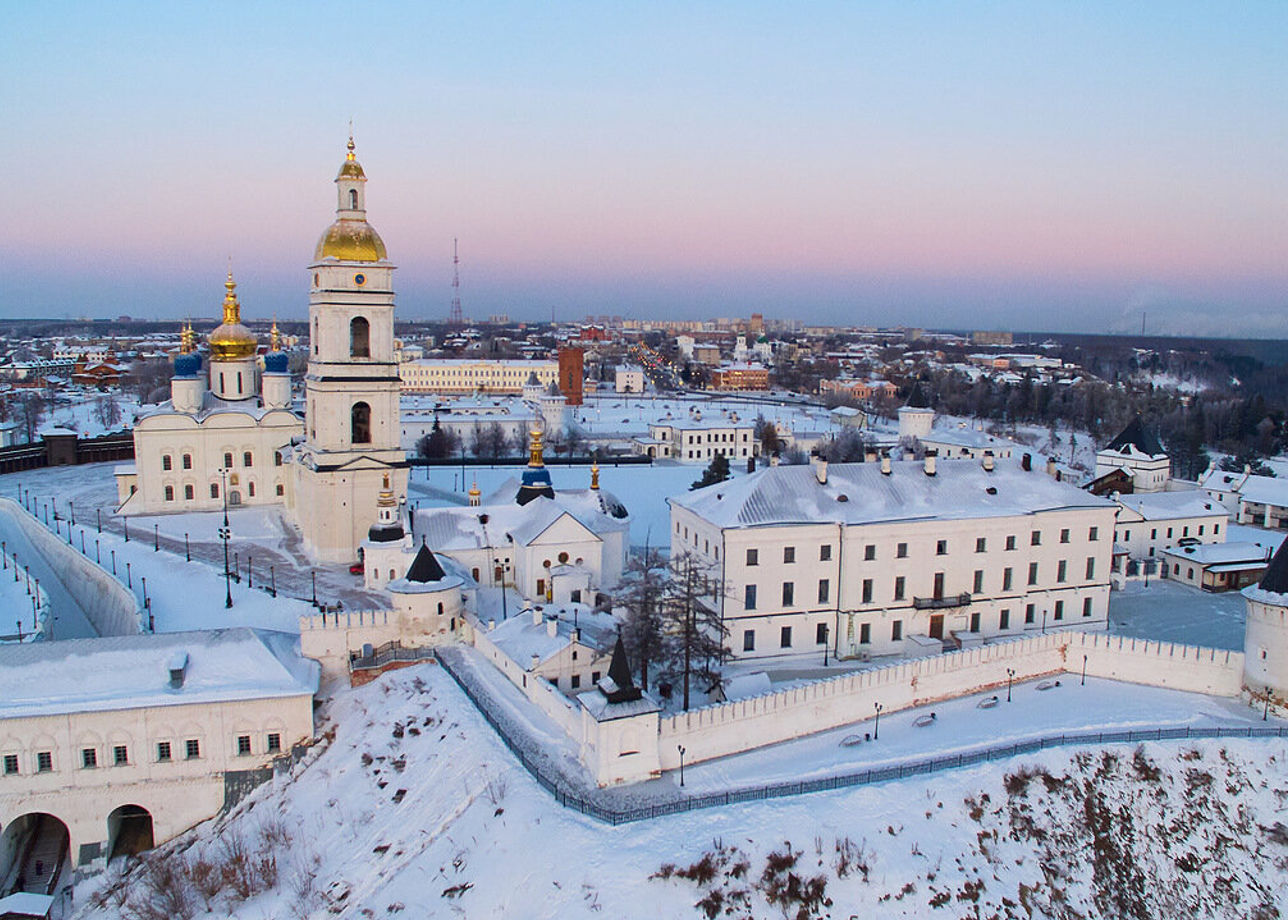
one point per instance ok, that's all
(1025, 165)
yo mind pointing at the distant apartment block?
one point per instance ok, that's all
(740, 377)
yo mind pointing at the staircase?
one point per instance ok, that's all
(43, 859)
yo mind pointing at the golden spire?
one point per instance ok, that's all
(187, 339)
(349, 156)
(275, 342)
(594, 475)
(387, 499)
(232, 309)
(534, 458)
(474, 490)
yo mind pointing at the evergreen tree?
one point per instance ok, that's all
(642, 594)
(716, 471)
(691, 618)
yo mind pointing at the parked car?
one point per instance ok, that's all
(357, 568)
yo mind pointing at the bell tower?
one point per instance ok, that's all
(351, 432)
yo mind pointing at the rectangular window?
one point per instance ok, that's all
(169, 493)
(1086, 606)
(1007, 579)
(1126, 535)
(1059, 610)
(1035, 538)
(1153, 533)
(789, 554)
(867, 590)
(1010, 542)
(120, 755)
(10, 764)
(1064, 535)
(900, 583)
(576, 681)
(789, 593)
(214, 490)
(243, 745)
(187, 461)
(941, 548)
(192, 748)
(1091, 567)
(1169, 533)
(901, 551)
(44, 761)
(753, 557)
(865, 633)
(748, 640)
(1185, 531)
(163, 751)
(1029, 614)
(824, 590)
(974, 622)
(188, 493)
(825, 552)
(1033, 573)
(1004, 620)
(869, 552)
(980, 544)
(1093, 534)
(228, 461)
(820, 634)
(247, 459)
(89, 758)
(785, 637)
(166, 462)
(979, 581)
(1216, 528)
(939, 586)
(749, 597)
(1061, 570)
(896, 630)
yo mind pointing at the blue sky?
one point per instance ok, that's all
(1025, 165)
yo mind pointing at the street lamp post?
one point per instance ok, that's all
(876, 726)
(313, 575)
(825, 648)
(1044, 616)
(1084, 670)
(226, 534)
(97, 556)
(156, 538)
(680, 748)
(113, 562)
(125, 522)
(1010, 676)
(187, 552)
(71, 505)
(250, 571)
(272, 575)
(98, 519)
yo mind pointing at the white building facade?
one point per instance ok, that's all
(455, 376)
(896, 558)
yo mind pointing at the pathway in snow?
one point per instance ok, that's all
(67, 618)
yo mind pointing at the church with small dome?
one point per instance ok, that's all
(222, 433)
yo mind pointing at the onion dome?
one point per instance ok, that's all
(350, 238)
(231, 340)
(276, 362)
(388, 526)
(187, 365)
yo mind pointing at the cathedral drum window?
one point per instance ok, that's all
(360, 423)
(359, 337)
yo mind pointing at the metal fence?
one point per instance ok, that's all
(605, 812)
(382, 655)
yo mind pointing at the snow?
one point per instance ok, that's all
(416, 808)
(1169, 611)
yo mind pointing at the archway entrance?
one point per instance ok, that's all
(234, 497)
(129, 831)
(33, 851)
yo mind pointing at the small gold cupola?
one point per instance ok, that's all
(231, 340)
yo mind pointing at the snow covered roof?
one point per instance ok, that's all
(858, 493)
(1163, 506)
(521, 639)
(1265, 490)
(1221, 553)
(131, 672)
(966, 437)
(1136, 439)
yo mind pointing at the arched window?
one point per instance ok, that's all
(187, 461)
(166, 463)
(315, 335)
(189, 493)
(353, 199)
(359, 337)
(228, 461)
(169, 493)
(360, 424)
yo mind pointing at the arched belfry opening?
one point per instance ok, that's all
(360, 423)
(359, 337)
(353, 199)
(129, 831)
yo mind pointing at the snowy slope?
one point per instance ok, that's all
(415, 809)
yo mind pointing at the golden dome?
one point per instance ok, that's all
(231, 340)
(351, 241)
(351, 168)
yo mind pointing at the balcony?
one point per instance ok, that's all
(941, 603)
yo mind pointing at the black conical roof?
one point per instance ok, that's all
(619, 673)
(1276, 577)
(425, 568)
(1138, 436)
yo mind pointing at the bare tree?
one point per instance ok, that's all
(493, 441)
(643, 593)
(691, 613)
(29, 408)
(107, 411)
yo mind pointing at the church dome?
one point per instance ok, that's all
(231, 340)
(350, 241)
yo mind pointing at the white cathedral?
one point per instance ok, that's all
(229, 434)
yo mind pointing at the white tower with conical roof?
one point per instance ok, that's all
(351, 391)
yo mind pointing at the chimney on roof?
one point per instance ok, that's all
(178, 668)
(820, 471)
(552, 627)
(988, 461)
(1026, 462)
(536, 660)
(870, 455)
(773, 459)
(885, 465)
(1051, 470)
(536, 616)
(930, 462)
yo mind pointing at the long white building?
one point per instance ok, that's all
(893, 558)
(463, 375)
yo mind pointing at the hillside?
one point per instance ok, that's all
(414, 808)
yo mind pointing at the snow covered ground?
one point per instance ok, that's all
(415, 809)
(1173, 612)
